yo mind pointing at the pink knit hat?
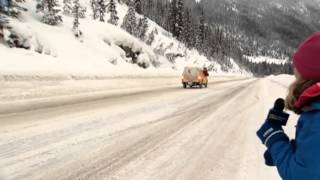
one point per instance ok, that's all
(307, 58)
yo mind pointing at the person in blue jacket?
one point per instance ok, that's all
(298, 159)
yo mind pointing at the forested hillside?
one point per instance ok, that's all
(237, 29)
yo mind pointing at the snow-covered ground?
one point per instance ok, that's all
(56, 53)
(137, 130)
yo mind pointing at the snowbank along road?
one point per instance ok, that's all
(159, 133)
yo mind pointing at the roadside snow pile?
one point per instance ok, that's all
(268, 60)
(101, 50)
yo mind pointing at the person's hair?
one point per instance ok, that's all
(295, 90)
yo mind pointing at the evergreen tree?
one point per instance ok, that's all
(150, 38)
(101, 9)
(40, 6)
(76, 14)
(77, 10)
(172, 16)
(129, 22)
(94, 6)
(138, 6)
(176, 18)
(113, 13)
(11, 7)
(188, 29)
(50, 10)
(149, 9)
(3, 22)
(67, 7)
(142, 28)
(82, 11)
(201, 31)
(179, 19)
(162, 11)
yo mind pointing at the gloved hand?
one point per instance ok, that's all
(271, 130)
(270, 133)
(268, 158)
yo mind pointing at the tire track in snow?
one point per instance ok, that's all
(173, 125)
(185, 157)
(44, 140)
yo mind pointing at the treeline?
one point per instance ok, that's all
(264, 68)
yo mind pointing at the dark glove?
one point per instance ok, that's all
(271, 130)
(268, 158)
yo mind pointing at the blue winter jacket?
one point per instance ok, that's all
(300, 159)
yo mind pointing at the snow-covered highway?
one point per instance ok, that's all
(156, 132)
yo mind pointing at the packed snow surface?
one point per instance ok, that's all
(136, 128)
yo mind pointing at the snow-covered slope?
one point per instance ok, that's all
(56, 52)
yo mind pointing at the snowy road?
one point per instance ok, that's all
(151, 134)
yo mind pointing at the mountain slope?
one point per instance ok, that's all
(101, 51)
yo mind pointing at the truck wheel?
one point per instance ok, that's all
(184, 85)
(206, 85)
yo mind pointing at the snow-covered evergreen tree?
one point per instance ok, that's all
(11, 7)
(94, 7)
(138, 6)
(201, 32)
(82, 11)
(39, 6)
(179, 20)
(172, 16)
(150, 38)
(76, 11)
(76, 14)
(50, 10)
(142, 28)
(3, 22)
(67, 7)
(188, 29)
(101, 9)
(129, 22)
(176, 18)
(113, 13)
